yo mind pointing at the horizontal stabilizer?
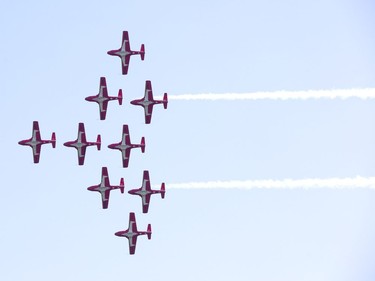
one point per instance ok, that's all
(53, 139)
(142, 52)
(98, 142)
(165, 100)
(122, 185)
(119, 97)
(149, 231)
(143, 144)
(162, 189)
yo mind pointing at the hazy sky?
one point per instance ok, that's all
(52, 56)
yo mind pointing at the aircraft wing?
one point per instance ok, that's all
(105, 177)
(81, 155)
(125, 134)
(36, 152)
(146, 185)
(132, 244)
(125, 157)
(148, 97)
(132, 223)
(146, 181)
(132, 228)
(148, 91)
(103, 92)
(125, 41)
(105, 198)
(145, 203)
(103, 109)
(81, 133)
(125, 64)
(148, 113)
(36, 131)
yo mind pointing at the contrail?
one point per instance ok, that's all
(312, 183)
(367, 93)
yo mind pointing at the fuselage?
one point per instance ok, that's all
(78, 143)
(34, 141)
(123, 145)
(101, 187)
(122, 53)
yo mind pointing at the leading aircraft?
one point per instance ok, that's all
(36, 142)
(80, 143)
(148, 102)
(125, 52)
(125, 146)
(105, 187)
(102, 98)
(145, 191)
(132, 233)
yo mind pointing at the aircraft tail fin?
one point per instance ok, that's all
(142, 52)
(98, 142)
(165, 100)
(119, 97)
(53, 139)
(122, 185)
(162, 190)
(149, 231)
(143, 145)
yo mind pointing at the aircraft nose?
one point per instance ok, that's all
(118, 233)
(110, 52)
(66, 143)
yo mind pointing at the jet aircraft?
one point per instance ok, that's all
(125, 146)
(105, 187)
(125, 52)
(36, 142)
(148, 102)
(81, 144)
(145, 191)
(102, 98)
(132, 233)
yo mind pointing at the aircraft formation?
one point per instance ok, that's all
(124, 146)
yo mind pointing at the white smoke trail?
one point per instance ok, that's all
(367, 93)
(314, 183)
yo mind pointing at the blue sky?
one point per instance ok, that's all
(52, 55)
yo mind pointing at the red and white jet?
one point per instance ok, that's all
(80, 143)
(125, 52)
(145, 191)
(105, 187)
(148, 102)
(125, 146)
(132, 233)
(36, 142)
(102, 98)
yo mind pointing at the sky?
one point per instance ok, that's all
(52, 57)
